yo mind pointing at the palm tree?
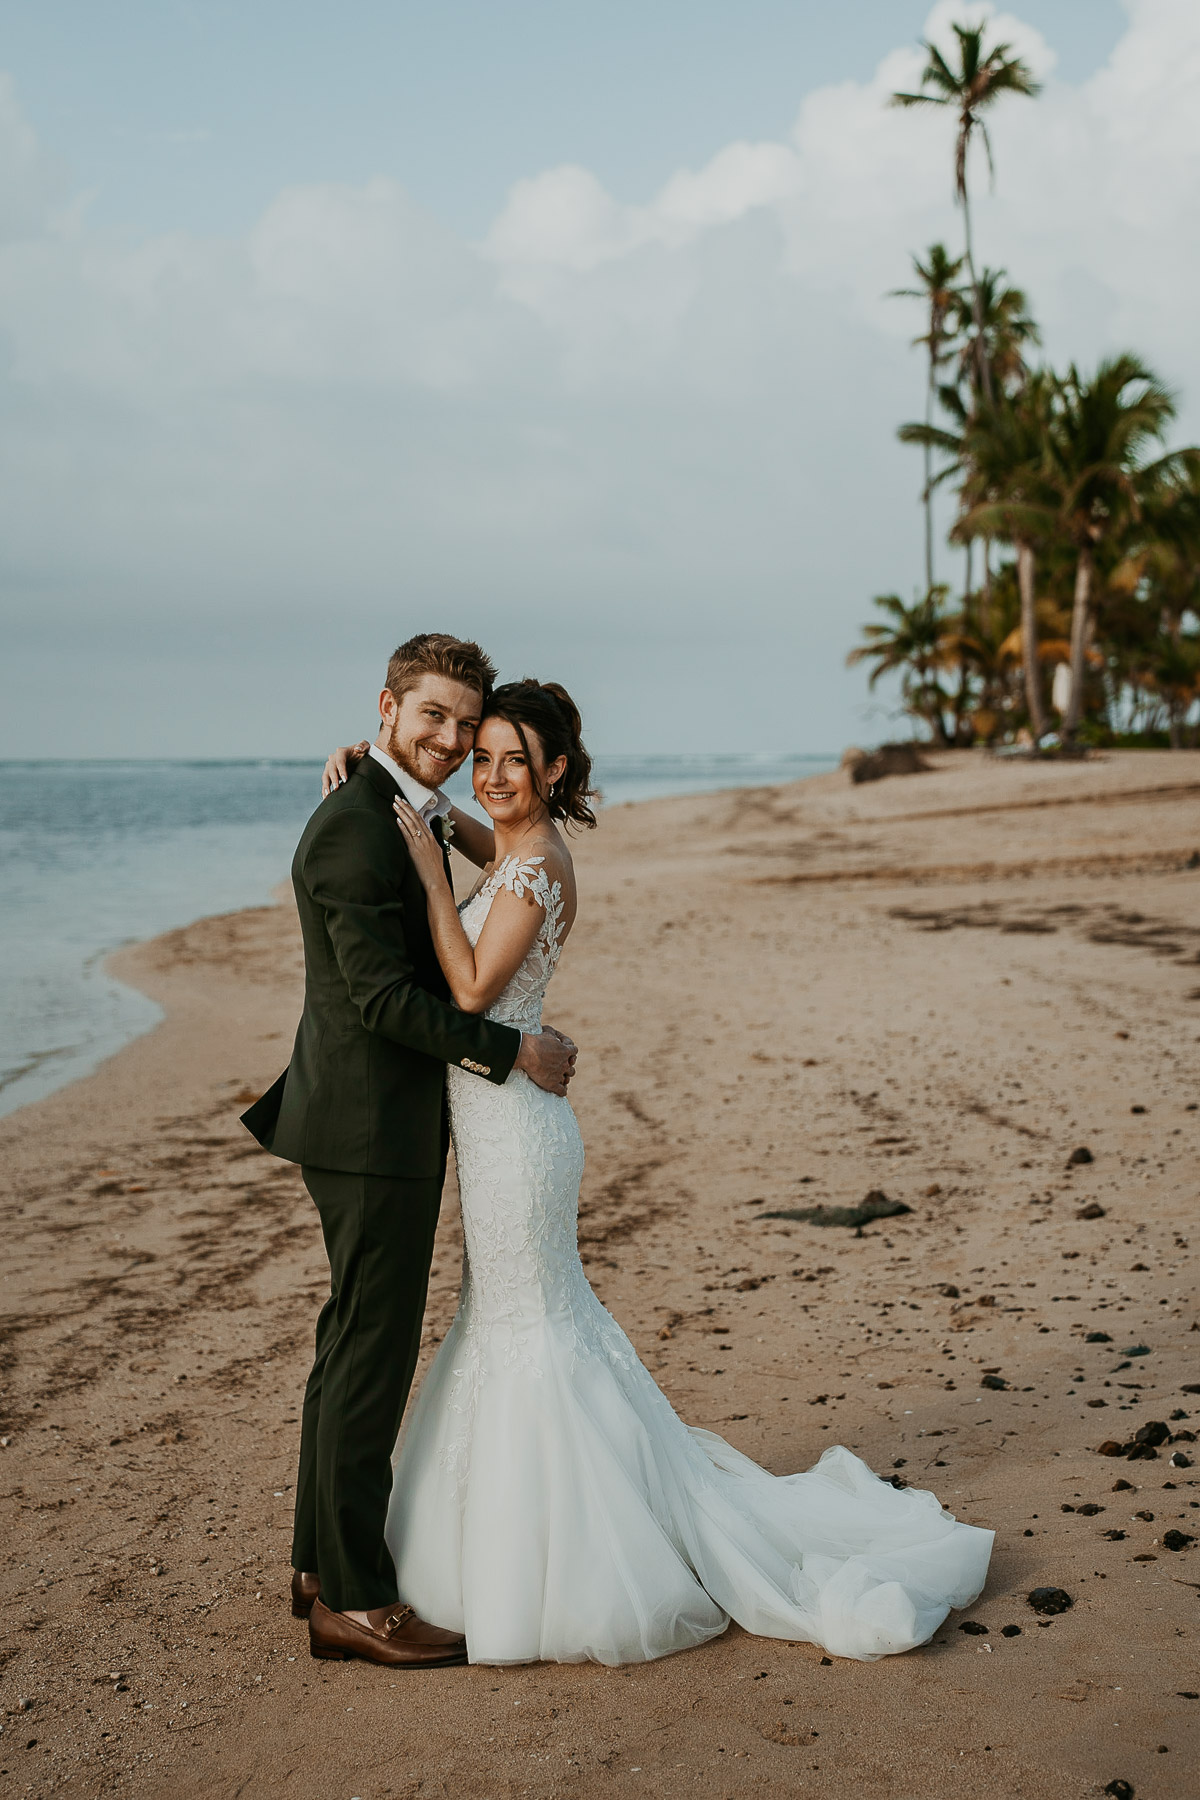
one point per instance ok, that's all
(979, 637)
(1006, 328)
(913, 643)
(949, 438)
(996, 348)
(1097, 445)
(1159, 581)
(978, 82)
(1173, 671)
(937, 276)
(1007, 494)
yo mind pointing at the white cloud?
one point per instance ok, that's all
(648, 445)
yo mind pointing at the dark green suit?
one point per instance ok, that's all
(362, 1107)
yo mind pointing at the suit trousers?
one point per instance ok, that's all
(379, 1233)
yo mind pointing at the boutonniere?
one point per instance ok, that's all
(447, 832)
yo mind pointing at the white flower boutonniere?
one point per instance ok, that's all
(447, 829)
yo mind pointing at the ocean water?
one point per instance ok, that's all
(94, 855)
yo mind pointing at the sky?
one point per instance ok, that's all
(564, 325)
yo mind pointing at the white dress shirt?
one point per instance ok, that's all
(431, 803)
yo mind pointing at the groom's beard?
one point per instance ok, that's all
(431, 775)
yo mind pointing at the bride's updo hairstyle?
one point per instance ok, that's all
(547, 710)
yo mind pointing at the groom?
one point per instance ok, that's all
(362, 1109)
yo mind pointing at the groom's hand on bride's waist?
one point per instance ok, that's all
(548, 1060)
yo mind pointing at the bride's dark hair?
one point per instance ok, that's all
(547, 710)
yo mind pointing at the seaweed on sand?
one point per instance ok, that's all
(875, 1206)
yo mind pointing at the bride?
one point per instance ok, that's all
(548, 1503)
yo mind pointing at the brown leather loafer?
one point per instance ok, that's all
(305, 1589)
(395, 1637)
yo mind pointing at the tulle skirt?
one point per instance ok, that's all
(550, 1504)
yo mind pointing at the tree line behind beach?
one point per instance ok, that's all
(1078, 621)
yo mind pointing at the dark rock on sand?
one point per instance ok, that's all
(1097, 1337)
(875, 1206)
(1082, 1155)
(889, 759)
(973, 1627)
(1177, 1540)
(1142, 1446)
(1093, 1210)
(1049, 1599)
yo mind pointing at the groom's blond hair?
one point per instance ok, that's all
(436, 653)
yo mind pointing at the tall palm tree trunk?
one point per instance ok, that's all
(1172, 624)
(985, 372)
(1080, 632)
(930, 397)
(1029, 643)
(1174, 724)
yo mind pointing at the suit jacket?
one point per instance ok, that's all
(365, 1089)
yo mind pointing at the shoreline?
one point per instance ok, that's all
(107, 1014)
(785, 996)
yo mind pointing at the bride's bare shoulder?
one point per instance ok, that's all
(555, 857)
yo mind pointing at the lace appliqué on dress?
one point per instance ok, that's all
(520, 1162)
(521, 1002)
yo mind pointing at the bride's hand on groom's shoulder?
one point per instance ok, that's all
(339, 763)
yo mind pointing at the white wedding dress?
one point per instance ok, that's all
(549, 1503)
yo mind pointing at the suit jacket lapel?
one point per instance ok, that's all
(386, 786)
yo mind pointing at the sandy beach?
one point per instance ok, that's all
(937, 986)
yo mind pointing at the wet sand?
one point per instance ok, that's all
(937, 986)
